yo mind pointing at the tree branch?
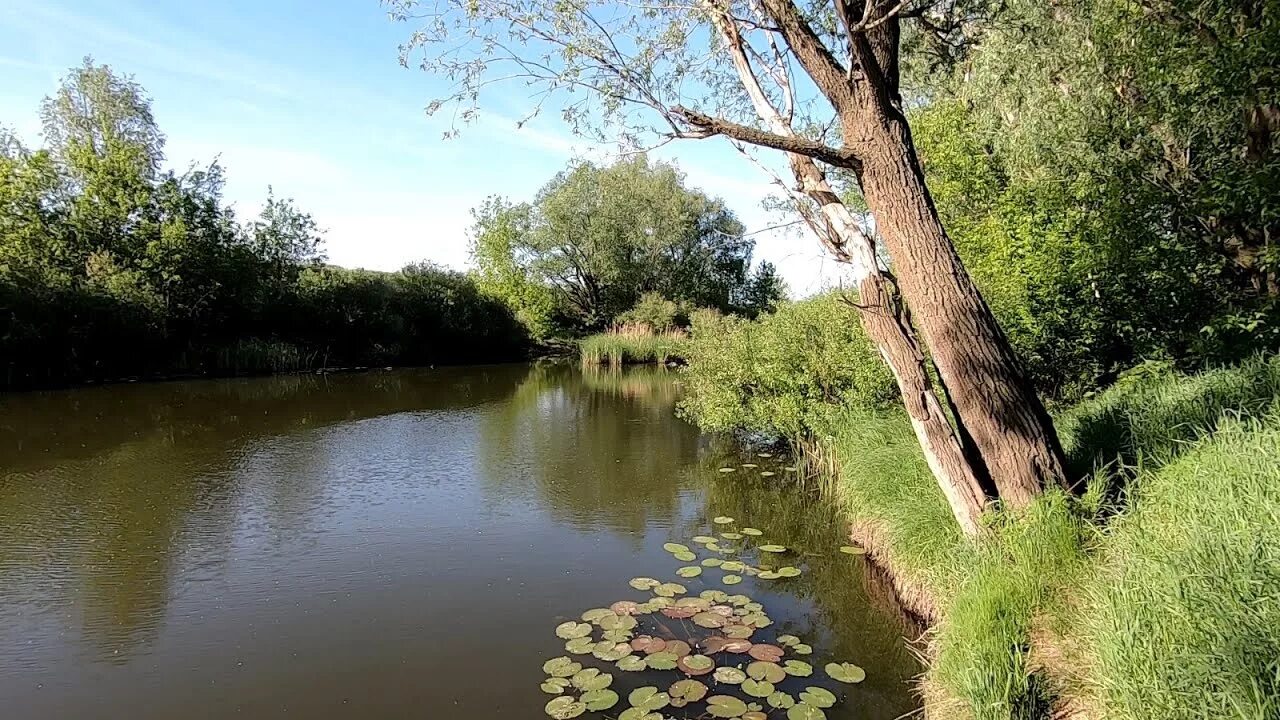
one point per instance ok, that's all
(704, 126)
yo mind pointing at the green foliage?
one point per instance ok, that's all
(655, 312)
(1108, 171)
(633, 345)
(785, 373)
(597, 238)
(110, 267)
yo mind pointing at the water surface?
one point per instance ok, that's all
(385, 545)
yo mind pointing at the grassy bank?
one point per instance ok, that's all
(633, 345)
(1155, 592)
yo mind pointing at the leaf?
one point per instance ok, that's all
(591, 679)
(846, 672)
(729, 675)
(684, 556)
(772, 548)
(762, 670)
(722, 520)
(728, 469)
(675, 547)
(851, 550)
(732, 566)
(764, 455)
(689, 571)
(753, 532)
(662, 661)
(737, 632)
(801, 649)
(639, 714)
(709, 620)
(780, 700)
(648, 698)
(624, 607)
(767, 473)
(757, 688)
(703, 539)
(750, 465)
(597, 700)
(580, 646)
(561, 667)
(679, 648)
(611, 651)
(631, 663)
(565, 707)
(818, 697)
(766, 652)
(731, 579)
(786, 640)
(731, 536)
(643, 583)
(696, 664)
(804, 711)
(670, 590)
(593, 616)
(617, 622)
(554, 686)
(789, 571)
(797, 668)
(571, 630)
(725, 706)
(688, 690)
(712, 562)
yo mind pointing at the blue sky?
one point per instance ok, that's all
(309, 97)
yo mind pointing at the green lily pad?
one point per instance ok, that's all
(580, 646)
(670, 590)
(846, 672)
(715, 596)
(770, 671)
(738, 599)
(805, 711)
(737, 632)
(764, 455)
(610, 651)
(571, 630)
(593, 616)
(616, 635)
(648, 698)
(767, 473)
(675, 547)
(722, 520)
(696, 664)
(818, 697)
(687, 690)
(684, 556)
(729, 675)
(802, 649)
(631, 663)
(852, 550)
(554, 686)
(787, 640)
(662, 661)
(757, 688)
(712, 562)
(731, 536)
(753, 532)
(703, 539)
(797, 668)
(561, 667)
(731, 579)
(780, 700)
(639, 714)
(772, 548)
(725, 706)
(597, 700)
(768, 575)
(643, 583)
(708, 620)
(689, 571)
(732, 566)
(565, 707)
(728, 469)
(591, 679)
(749, 465)
(789, 571)
(617, 622)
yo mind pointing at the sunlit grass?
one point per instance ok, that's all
(633, 344)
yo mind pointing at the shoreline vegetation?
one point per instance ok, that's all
(1152, 589)
(634, 344)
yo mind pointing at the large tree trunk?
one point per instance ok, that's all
(993, 401)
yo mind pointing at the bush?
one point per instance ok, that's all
(785, 373)
(633, 344)
(656, 312)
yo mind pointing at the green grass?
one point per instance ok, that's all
(630, 345)
(1166, 604)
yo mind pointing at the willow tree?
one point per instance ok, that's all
(820, 83)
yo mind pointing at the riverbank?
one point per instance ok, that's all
(634, 346)
(1154, 591)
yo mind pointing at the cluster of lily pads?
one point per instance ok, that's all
(713, 637)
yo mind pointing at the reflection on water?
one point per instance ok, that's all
(389, 544)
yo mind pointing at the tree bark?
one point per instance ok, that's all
(993, 401)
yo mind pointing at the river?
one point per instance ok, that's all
(391, 544)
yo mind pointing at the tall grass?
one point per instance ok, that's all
(633, 344)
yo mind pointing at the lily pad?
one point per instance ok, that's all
(709, 620)
(728, 469)
(611, 651)
(662, 661)
(580, 646)
(703, 539)
(846, 672)
(780, 700)
(594, 615)
(669, 590)
(732, 566)
(767, 473)
(762, 670)
(729, 675)
(616, 635)
(679, 648)
(597, 700)
(696, 664)
(787, 640)
(571, 630)
(687, 690)
(789, 571)
(731, 579)
(757, 688)
(797, 668)
(639, 714)
(737, 632)
(565, 707)
(750, 465)
(712, 562)
(722, 520)
(631, 663)
(561, 667)
(680, 612)
(805, 711)
(589, 679)
(625, 607)
(648, 698)
(675, 547)
(738, 599)
(753, 532)
(648, 645)
(852, 550)
(713, 595)
(818, 697)
(684, 556)
(554, 686)
(617, 622)
(731, 536)
(772, 548)
(768, 575)
(802, 649)
(766, 652)
(643, 583)
(725, 706)
(764, 455)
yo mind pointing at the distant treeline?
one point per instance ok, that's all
(111, 267)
